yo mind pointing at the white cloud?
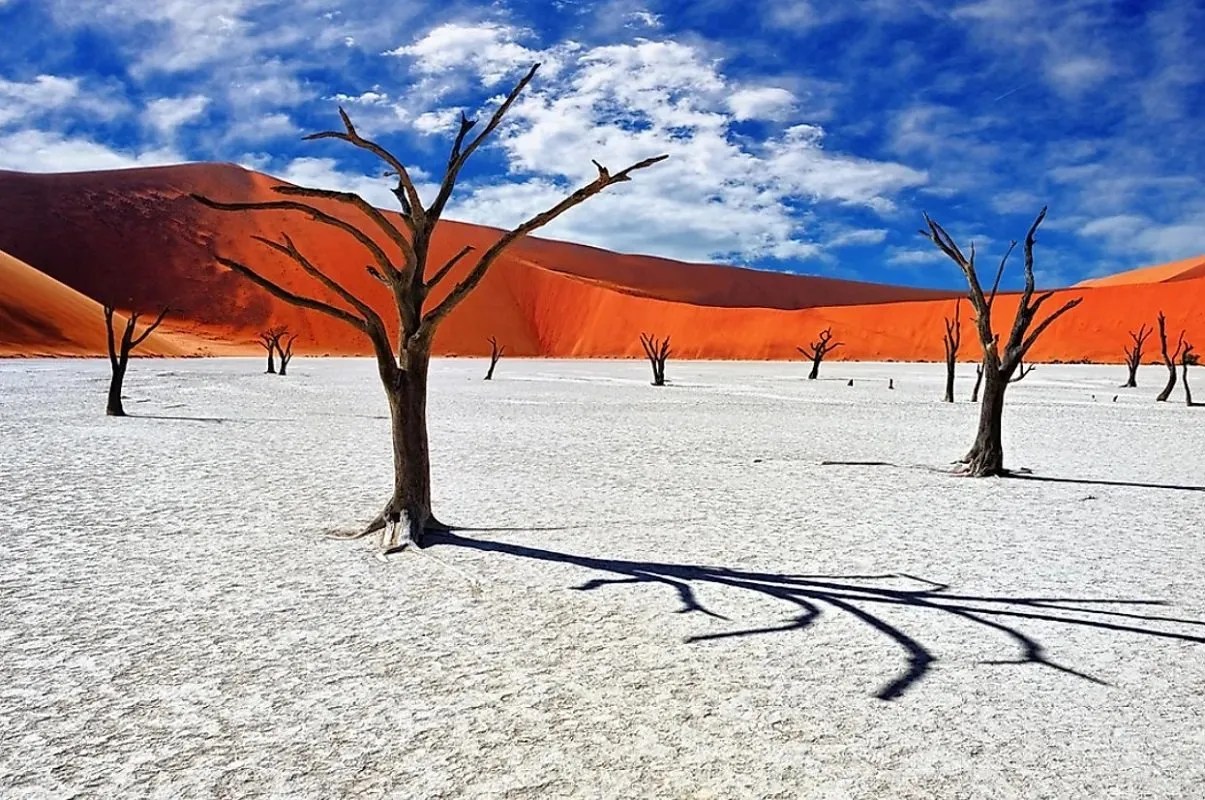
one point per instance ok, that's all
(46, 151)
(489, 50)
(43, 94)
(166, 114)
(766, 102)
(718, 196)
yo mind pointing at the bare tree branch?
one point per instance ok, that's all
(373, 213)
(433, 317)
(317, 214)
(289, 249)
(290, 297)
(442, 272)
(412, 204)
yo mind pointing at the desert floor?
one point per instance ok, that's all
(661, 592)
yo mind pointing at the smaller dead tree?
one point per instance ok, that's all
(1134, 355)
(953, 340)
(285, 352)
(270, 340)
(1022, 372)
(1188, 358)
(818, 350)
(1169, 359)
(978, 383)
(119, 354)
(657, 351)
(496, 353)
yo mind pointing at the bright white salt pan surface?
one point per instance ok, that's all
(173, 623)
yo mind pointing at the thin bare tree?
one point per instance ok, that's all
(986, 456)
(953, 340)
(657, 351)
(285, 352)
(496, 353)
(403, 268)
(1169, 359)
(119, 354)
(1134, 355)
(269, 339)
(1188, 358)
(818, 350)
(1022, 372)
(978, 383)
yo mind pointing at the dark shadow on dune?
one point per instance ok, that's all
(865, 598)
(1028, 476)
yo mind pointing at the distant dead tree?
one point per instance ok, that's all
(285, 352)
(818, 350)
(1022, 372)
(657, 351)
(119, 354)
(402, 267)
(978, 383)
(1134, 355)
(986, 456)
(1188, 358)
(269, 339)
(1169, 359)
(496, 353)
(953, 340)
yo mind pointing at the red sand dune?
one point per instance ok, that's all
(41, 317)
(136, 235)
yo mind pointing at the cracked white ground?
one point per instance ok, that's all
(667, 596)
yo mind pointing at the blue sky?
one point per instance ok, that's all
(804, 136)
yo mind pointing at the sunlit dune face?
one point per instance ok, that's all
(136, 236)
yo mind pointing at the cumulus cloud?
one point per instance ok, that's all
(46, 151)
(166, 114)
(718, 196)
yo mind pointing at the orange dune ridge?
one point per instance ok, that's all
(138, 234)
(41, 317)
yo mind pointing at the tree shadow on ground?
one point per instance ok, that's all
(1023, 476)
(863, 597)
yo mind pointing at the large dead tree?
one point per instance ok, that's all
(1188, 358)
(953, 340)
(285, 351)
(986, 456)
(119, 354)
(1169, 359)
(402, 265)
(269, 339)
(818, 350)
(657, 351)
(1134, 355)
(496, 353)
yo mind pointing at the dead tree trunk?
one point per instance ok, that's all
(285, 352)
(1187, 359)
(657, 351)
(978, 383)
(1134, 355)
(496, 353)
(818, 350)
(119, 354)
(986, 456)
(1169, 359)
(270, 340)
(402, 265)
(953, 340)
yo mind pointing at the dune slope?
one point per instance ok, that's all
(40, 316)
